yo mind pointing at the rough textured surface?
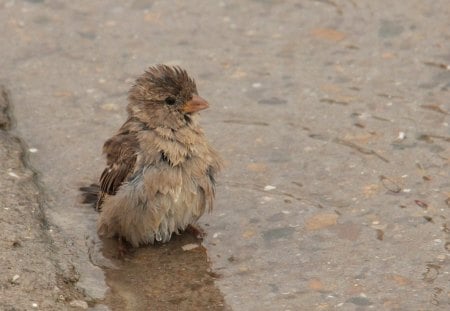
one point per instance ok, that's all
(333, 115)
(33, 274)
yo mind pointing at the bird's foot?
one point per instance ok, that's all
(122, 249)
(196, 231)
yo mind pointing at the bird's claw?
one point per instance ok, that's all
(196, 231)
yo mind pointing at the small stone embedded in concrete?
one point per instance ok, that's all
(328, 34)
(61, 298)
(79, 304)
(14, 279)
(401, 136)
(321, 221)
(379, 234)
(390, 184)
(257, 167)
(360, 301)
(189, 247)
(348, 231)
(239, 73)
(12, 174)
(110, 107)
(399, 279)
(390, 28)
(272, 101)
(316, 284)
(269, 187)
(277, 233)
(248, 234)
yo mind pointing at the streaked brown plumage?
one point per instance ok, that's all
(160, 173)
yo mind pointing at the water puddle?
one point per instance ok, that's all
(171, 276)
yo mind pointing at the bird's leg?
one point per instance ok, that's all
(196, 231)
(121, 248)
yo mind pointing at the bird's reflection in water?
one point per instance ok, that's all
(162, 277)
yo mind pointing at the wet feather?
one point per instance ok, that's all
(160, 173)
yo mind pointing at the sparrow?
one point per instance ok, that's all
(160, 169)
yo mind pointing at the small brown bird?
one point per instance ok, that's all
(160, 174)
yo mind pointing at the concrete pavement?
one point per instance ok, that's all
(334, 120)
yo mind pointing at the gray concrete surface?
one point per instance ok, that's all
(333, 118)
(33, 274)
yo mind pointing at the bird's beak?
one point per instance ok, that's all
(195, 104)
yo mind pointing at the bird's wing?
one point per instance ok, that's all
(120, 151)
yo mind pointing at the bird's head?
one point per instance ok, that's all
(165, 96)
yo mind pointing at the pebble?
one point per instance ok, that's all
(79, 304)
(269, 187)
(110, 107)
(15, 278)
(401, 136)
(189, 247)
(12, 174)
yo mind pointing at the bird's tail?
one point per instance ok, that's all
(90, 194)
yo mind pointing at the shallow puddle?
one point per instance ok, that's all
(162, 277)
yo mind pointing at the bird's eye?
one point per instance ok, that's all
(170, 100)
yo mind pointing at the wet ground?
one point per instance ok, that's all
(333, 118)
